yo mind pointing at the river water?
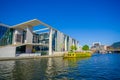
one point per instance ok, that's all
(97, 67)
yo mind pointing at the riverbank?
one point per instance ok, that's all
(29, 57)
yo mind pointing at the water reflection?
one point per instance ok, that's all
(6, 68)
(98, 67)
(72, 62)
(37, 69)
(55, 66)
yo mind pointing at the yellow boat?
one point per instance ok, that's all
(77, 55)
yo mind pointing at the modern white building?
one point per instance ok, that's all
(33, 37)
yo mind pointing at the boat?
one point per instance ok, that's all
(78, 55)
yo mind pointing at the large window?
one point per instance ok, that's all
(20, 49)
(44, 38)
(7, 37)
(24, 37)
(2, 31)
(35, 38)
(54, 41)
(18, 38)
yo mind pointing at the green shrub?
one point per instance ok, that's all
(85, 48)
(73, 48)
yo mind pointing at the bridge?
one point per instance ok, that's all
(117, 50)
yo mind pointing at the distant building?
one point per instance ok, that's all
(28, 37)
(98, 48)
(96, 44)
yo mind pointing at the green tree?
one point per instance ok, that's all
(73, 48)
(85, 48)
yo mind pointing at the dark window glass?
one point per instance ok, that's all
(2, 30)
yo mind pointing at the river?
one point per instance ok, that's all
(97, 67)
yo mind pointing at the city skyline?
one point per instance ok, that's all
(87, 21)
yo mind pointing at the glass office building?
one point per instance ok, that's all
(27, 40)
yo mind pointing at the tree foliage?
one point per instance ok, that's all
(73, 48)
(85, 47)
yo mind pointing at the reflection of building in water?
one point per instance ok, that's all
(72, 62)
(24, 70)
(30, 69)
(6, 69)
(49, 69)
(37, 69)
(55, 67)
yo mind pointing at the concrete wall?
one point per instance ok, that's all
(70, 43)
(29, 35)
(27, 54)
(28, 48)
(63, 43)
(58, 53)
(60, 39)
(7, 51)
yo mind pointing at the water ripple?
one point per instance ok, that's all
(98, 67)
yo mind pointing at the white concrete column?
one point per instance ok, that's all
(58, 41)
(73, 43)
(14, 37)
(77, 45)
(70, 43)
(29, 35)
(28, 48)
(50, 42)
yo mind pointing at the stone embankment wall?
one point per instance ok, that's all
(58, 53)
(7, 51)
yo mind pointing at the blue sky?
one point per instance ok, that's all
(85, 20)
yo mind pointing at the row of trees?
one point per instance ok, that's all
(84, 48)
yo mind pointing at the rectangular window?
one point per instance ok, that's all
(18, 37)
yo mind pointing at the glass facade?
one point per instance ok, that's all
(3, 29)
(7, 37)
(44, 38)
(41, 49)
(67, 43)
(24, 36)
(41, 39)
(35, 38)
(54, 40)
(20, 49)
